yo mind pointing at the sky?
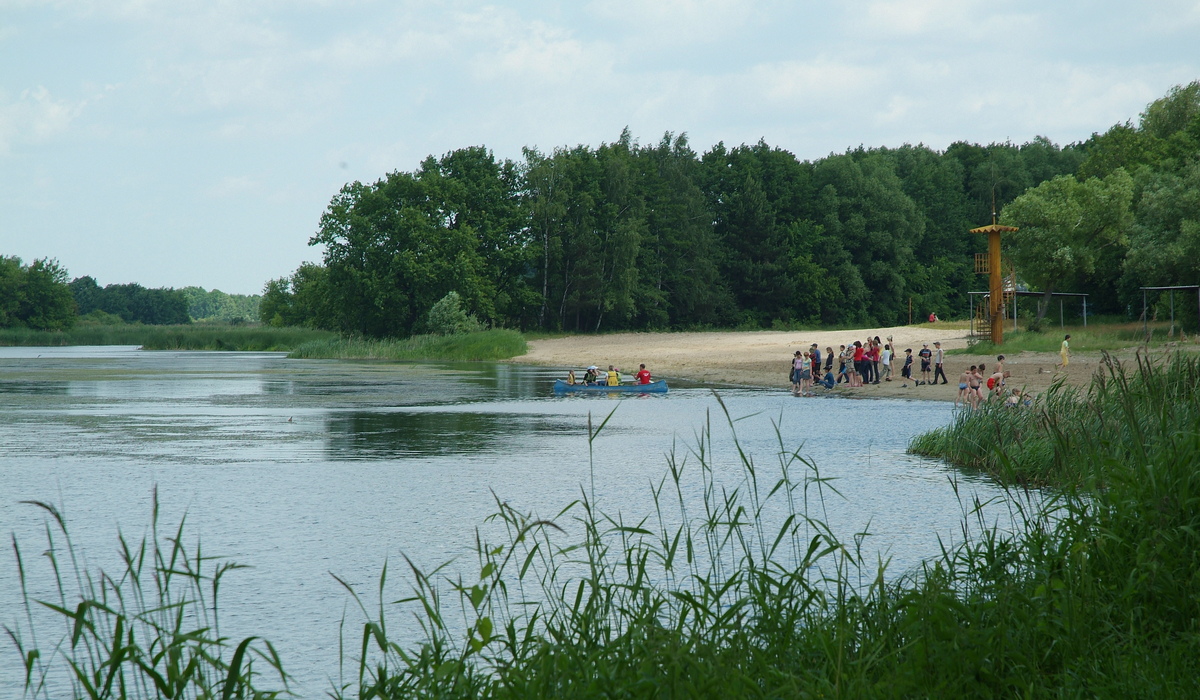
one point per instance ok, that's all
(178, 143)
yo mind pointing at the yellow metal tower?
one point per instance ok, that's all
(995, 276)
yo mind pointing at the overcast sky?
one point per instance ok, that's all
(183, 142)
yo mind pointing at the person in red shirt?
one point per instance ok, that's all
(643, 375)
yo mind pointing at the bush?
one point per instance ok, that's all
(447, 317)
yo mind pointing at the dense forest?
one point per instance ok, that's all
(631, 236)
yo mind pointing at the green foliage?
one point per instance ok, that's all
(98, 329)
(132, 302)
(392, 249)
(480, 346)
(447, 317)
(35, 296)
(303, 299)
(1069, 230)
(624, 236)
(218, 306)
(147, 631)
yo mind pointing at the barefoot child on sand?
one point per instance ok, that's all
(1064, 352)
(964, 381)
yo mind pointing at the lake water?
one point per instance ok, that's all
(303, 468)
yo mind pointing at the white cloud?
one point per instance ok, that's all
(33, 117)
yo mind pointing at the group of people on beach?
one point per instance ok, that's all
(861, 363)
(971, 386)
(594, 376)
(871, 362)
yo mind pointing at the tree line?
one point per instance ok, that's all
(39, 297)
(626, 236)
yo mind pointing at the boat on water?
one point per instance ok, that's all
(561, 386)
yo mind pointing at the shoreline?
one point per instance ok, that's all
(762, 359)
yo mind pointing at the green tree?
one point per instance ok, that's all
(1067, 229)
(1164, 245)
(679, 282)
(11, 275)
(392, 249)
(447, 317)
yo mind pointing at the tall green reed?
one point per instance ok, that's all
(1091, 593)
(1050, 443)
(149, 630)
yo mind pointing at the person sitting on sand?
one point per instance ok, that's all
(1017, 399)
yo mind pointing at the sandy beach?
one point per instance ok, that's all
(762, 358)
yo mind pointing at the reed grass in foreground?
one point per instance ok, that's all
(190, 337)
(150, 630)
(750, 595)
(491, 345)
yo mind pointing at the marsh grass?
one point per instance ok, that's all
(189, 337)
(149, 630)
(490, 345)
(1050, 443)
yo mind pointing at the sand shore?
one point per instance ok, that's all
(762, 358)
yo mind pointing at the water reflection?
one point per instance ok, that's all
(374, 435)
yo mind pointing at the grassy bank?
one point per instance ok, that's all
(467, 347)
(1054, 442)
(750, 595)
(189, 337)
(1108, 337)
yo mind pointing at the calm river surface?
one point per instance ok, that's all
(302, 468)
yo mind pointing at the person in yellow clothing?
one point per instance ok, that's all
(614, 377)
(1065, 352)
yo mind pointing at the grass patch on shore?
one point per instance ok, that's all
(200, 336)
(748, 594)
(1054, 441)
(491, 345)
(1093, 338)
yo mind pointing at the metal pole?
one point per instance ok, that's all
(996, 287)
(1085, 311)
(1172, 333)
(1145, 329)
(1060, 314)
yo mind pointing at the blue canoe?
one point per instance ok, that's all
(659, 387)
